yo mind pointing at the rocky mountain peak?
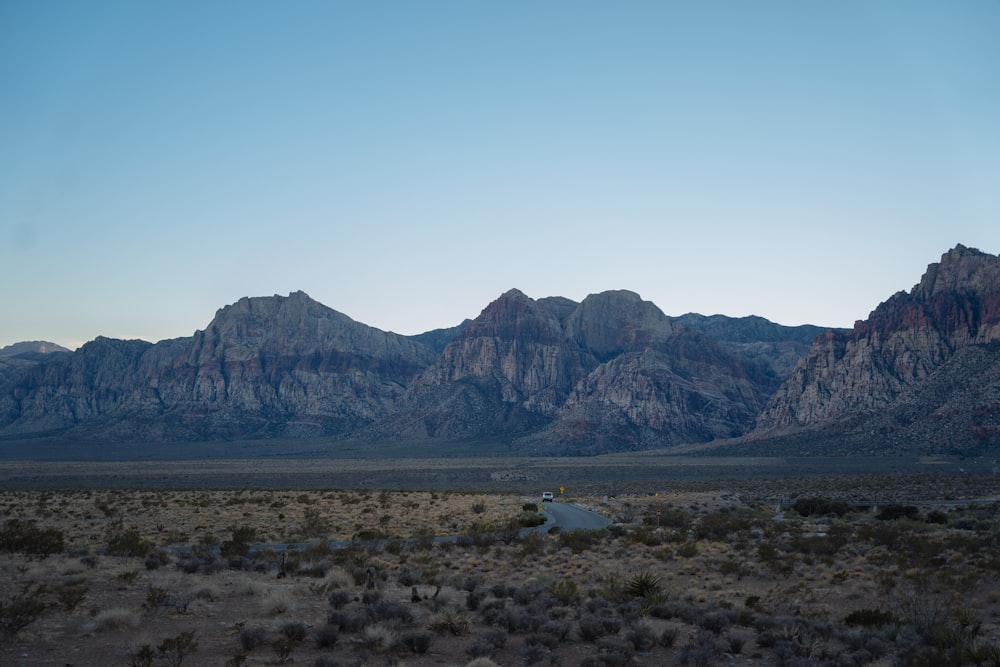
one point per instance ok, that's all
(612, 322)
(906, 341)
(33, 347)
(961, 268)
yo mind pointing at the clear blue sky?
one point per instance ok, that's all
(407, 162)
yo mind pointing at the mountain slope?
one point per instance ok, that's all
(904, 354)
(275, 366)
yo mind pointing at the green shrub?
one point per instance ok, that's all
(529, 519)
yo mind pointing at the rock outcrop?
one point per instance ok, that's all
(905, 346)
(274, 366)
(612, 372)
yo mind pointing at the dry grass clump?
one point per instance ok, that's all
(109, 620)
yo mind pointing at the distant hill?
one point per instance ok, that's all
(19, 356)
(551, 375)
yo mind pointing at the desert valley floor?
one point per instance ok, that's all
(340, 562)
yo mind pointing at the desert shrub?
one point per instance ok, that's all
(516, 620)
(417, 641)
(641, 636)
(474, 599)
(449, 621)
(338, 598)
(239, 542)
(175, 649)
(128, 543)
(314, 524)
(565, 591)
(687, 549)
(283, 647)
(141, 656)
(937, 517)
(893, 512)
(276, 602)
(409, 576)
(700, 650)
(487, 643)
(532, 654)
(614, 651)
(820, 545)
(22, 609)
(580, 540)
(541, 639)
(251, 638)
(529, 519)
(312, 569)
(380, 637)
(715, 621)
(591, 628)
(501, 590)
(156, 598)
(26, 537)
(815, 506)
(646, 535)
(70, 595)
(720, 524)
(732, 566)
(116, 618)
(326, 636)
(294, 630)
(390, 610)
(869, 618)
(353, 621)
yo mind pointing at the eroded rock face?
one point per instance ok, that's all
(902, 343)
(608, 373)
(270, 365)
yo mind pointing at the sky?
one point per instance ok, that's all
(406, 163)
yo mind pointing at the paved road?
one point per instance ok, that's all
(569, 516)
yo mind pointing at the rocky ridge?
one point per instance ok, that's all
(610, 373)
(926, 354)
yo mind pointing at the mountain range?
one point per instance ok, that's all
(549, 375)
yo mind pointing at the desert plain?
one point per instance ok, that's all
(354, 563)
